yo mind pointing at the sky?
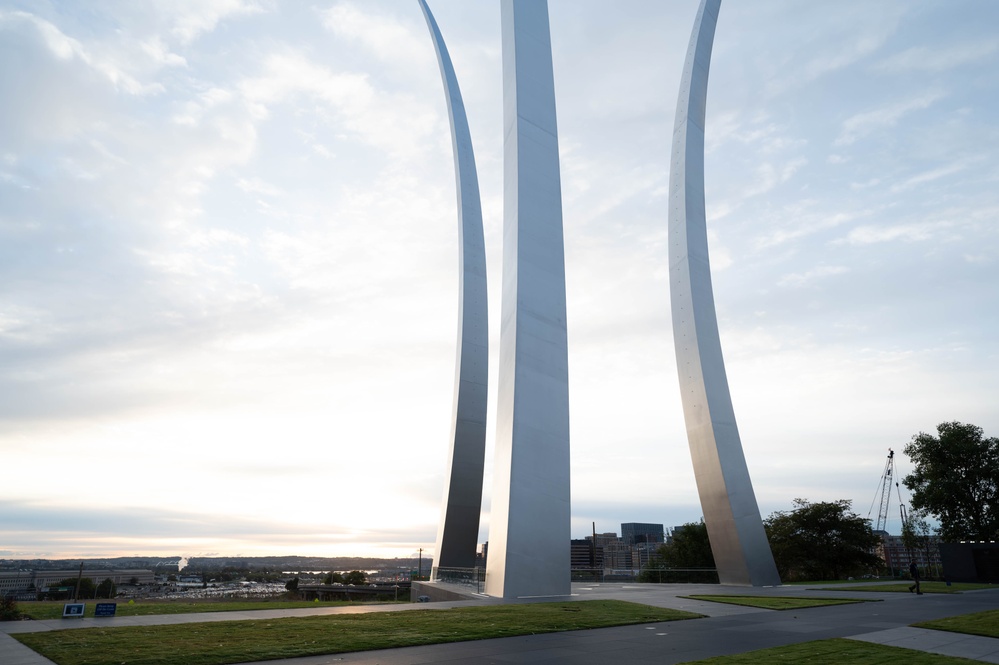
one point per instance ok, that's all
(228, 259)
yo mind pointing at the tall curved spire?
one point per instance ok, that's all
(731, 514)
(458, 531)
(529, 519)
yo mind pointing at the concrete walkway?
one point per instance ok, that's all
(729, 629)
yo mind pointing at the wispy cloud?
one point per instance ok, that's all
(759, 132)
(770, 175)
(108, 63)
(863, 124)
(805, 220)
(39, 530)
(853, 33)
(935, 60)
(391, 121)
(190, 19)
(850, 52)
(383, 35)
(805, 278)
(930, 176)
(915, 232)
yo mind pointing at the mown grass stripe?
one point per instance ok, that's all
(218, 643)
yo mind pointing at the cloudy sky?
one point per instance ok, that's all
(228, 259)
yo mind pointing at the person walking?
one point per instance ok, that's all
(914, 573)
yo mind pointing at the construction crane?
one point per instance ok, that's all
(883, 495)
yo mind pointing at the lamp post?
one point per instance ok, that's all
(79, 577)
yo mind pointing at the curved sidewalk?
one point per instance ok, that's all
(728, 629)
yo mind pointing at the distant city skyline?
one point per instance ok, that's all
(228, 292)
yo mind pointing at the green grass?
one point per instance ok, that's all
(925, 587)
(980, 623)
(771, 603)
(807, 582)
(834, 652)
(52, 609)
(240, 641)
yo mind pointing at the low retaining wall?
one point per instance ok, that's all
(436, 592)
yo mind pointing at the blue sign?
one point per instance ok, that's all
(73, 610)
(105, 609)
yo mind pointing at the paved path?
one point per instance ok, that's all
(729, 629)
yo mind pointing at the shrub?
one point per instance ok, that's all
(8, 610)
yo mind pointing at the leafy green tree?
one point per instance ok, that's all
(824, 540)
(292, 584)
(263, 576)
(9, 610)
(688, 548)
(914, 529)
(356, 577)
(956, 479)
(106, 589)
(916, 534)
(334, 578)
(229, 574)
(87, 586)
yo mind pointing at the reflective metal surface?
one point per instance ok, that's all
(529, 520)
(735, 529)
(458, 532)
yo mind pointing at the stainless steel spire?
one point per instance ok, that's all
(458, 532)
(738, 541)
(529, 520)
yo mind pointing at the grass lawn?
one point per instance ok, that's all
(980, 623)
(835, 652)
(770, 603)
(52, 609)
(806, 583)
(239, 641)
(925, 587)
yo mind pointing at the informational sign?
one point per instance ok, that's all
(105, 609)
(73, 610)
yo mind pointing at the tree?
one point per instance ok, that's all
(333, 578)
(824, 540)
(688, 548)
(87, 586)
(916, 533)
(8, 609)
(292, 584)
(106, 589)
(956, 479)
(355, 577)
